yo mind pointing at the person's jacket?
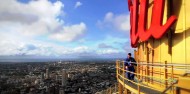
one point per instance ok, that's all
(129, 60)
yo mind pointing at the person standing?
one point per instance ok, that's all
(129, 65)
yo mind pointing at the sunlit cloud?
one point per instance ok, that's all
(69, 33)
(121, 22)
(78, 4)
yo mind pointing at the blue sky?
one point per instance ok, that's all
(64, 28)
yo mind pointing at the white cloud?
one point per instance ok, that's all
(78, 4)
(22, 23)
(109, 16)
(81, 49)
(23, 46)
(33, 18)
(38, 48)
(69, 33)
(120, 22)
(107, 51)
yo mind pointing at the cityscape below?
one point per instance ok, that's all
(60, 77)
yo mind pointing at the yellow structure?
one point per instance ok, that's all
(163, 65)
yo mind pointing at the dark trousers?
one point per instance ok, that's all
(129, 75)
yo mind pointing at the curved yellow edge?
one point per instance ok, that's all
(128, 87)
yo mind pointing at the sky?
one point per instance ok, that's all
(64, 28)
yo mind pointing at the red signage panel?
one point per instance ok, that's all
(138, 20)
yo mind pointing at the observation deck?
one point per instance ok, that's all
(153, 78)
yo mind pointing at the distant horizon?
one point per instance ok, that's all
(30, 58)
(22, 60)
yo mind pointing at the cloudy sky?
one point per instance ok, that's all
(64, 28)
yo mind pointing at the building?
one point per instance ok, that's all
(61, 91)
(29, 68)
(160, 32)
(42, 77)
(64, 77)
(47, 73)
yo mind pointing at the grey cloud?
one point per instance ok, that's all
(103, 45)
(27, 47)
(119, 43)
(125, 46)
(18, 17)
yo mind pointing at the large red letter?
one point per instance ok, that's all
(139, 21)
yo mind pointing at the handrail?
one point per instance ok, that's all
(159, 64)
(142, 75)
(136, 83)
(109, 90)
(163, 62)
(163, 65)
(169, 87)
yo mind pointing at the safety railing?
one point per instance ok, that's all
(111, 90)
(153, 76)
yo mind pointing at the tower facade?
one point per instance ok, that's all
(160, 32)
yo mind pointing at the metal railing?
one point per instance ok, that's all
(111, 90)
(154, 76)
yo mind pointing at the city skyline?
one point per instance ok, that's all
(64, 28)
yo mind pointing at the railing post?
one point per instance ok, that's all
(115, 87)
(107, 91)
(123, 75)
(165, 74)
(123, 71)
(125, 91)
(142, 70)
(117, 69)
(172, 76)
(138, 78)
(120, 88)
(148, 72)
(110, 91)
(152, 72)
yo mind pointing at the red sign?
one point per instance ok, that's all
(138, 20)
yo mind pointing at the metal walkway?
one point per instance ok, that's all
(142, 89)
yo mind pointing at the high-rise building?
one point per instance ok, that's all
(64, 77)
(47, 73)
(42, 76)
(61, 91)
(29, 68)
(56, 77)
